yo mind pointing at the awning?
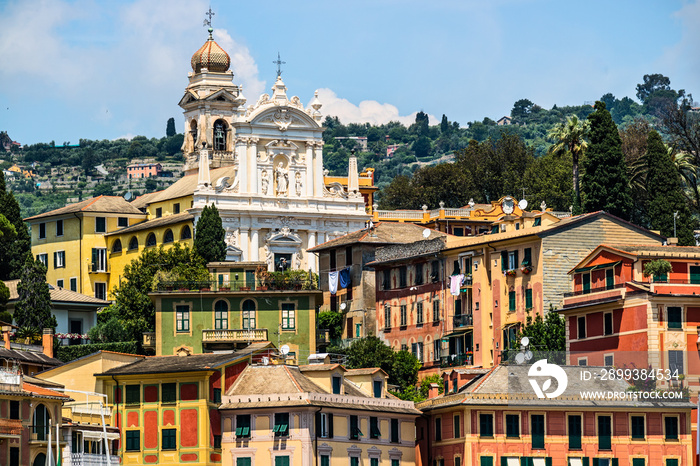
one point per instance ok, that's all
(96, 434)
(457, 333)
(596, 267)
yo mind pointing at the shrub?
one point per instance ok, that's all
(69, 353)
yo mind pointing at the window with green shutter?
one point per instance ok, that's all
(671, 428)
(637, 427)
(610, 278)
(638, 462)
(374, 431)
(133, 394)
(528, 298)
(243, 426)
(604, 433)
(244, 461)
(504, 259)
(374, 461)
(168, 392)
(574, 432)
(485, 425)
(511, 301)
(133, 440)
(486, 461)
(288, 316)
(182, 318)
(457, 426)
(586, 282)
(169, 439)
(527, 259)
(281, 427)
(281, 460)
(355, 432)
(671, 462)
(221, 315)
(537, 426)
(394, 462)
(325, 460)
(438, 428)
(512, 425)
(394, 431)
(675, 318)
(354, 461)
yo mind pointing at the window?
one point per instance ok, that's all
(281, 460)
(59, 227)
(675, 362)
(168, 392)
(99, 259)
(176, 208)
(74, 284)
(387, 317)
(575, 432)
(249, 314)
(604, 432)
(117, 246)
(281, 428)
(512, 425)
(454, 385)
(101, 291)
(528, 298)
(417, 350)
(378, 386)
(458, 307)
(394, 431)
(374, 462)
(220, 130)
(354, 461)
(133, 243)
(374, 431)
(14, 410)
(436, 310)
(186, 232)
(402, 277)
(133, 394)
(434, 271)
(513, 260)
(355, 432)
(586, 278)
(59, 283)
(100, 224)
(386, 278)
(337, 382)
(159, 212)
(325, 460)
(609, 278)
(608, 323)
(44, 259)
(288, 321)
(59, 259)
(609, 360)
(348, 256)
(403, 315)
(537, 427)
(438, 429)
(457, 426)
(221, 315)
(133, 440)
(675, 318)
(436, 350)
(485, 425)
(638, 461)
(511, 301)
(581, 327)
(168, 237)
(169, 439)
(670, 427)
(324, 425)
(150, 240)
(182, 318)
(419, 274)
(42, 230)
(243, 426)
(527, 259)
(637, 427)
(122, 222)
(671, 462)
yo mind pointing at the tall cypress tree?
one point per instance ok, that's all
(665, 194)
(33, 308)
(13, 251)
(605, 185)
(209, 235)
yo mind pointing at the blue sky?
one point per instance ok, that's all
(104, 70)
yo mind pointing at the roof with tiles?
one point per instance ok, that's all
(187, 185)
(155, 223)
(59, 295)
(99, 204)
(28, 357)
(382, 233)
(145, 199)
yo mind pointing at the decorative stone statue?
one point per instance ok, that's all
(297, 184)
(264, 182)
(282, 180)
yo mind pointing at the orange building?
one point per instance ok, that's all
(143, 170)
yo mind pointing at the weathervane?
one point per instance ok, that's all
(207, 22)
(279, 64)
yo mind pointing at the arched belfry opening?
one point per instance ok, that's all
(220, 134)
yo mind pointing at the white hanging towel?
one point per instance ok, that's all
(455, 283)
(333, 282)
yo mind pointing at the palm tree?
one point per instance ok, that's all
(570, 136)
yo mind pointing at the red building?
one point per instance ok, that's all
(143, 170)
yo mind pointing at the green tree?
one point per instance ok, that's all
(33, 307)
(402, 367)
(111, 331)
(548, 334)
(132, 306)
(422, 147)
(665, 194)
(571, 136)
(5, 316)
(521, 110)
(548, 179)
(331, 321)
(652, 83)
(170, 128)
(444, 125)
(103, 189)
(13, 249)
(209, 235)
(605, 185)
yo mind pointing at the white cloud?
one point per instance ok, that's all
(368, 111)
(683, 59)
(243, 65)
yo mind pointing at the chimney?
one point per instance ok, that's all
(672, 241)
(6, 337)
(433, 391)
(47, 342)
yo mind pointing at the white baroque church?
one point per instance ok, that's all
(262, 166)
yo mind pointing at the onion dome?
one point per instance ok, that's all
(210, 56)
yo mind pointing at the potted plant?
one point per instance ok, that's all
(511, 272)
(658, 269)
(262, 275)
(526, 267)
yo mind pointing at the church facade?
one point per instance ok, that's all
(274, 203)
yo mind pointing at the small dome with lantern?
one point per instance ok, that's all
(210, 56)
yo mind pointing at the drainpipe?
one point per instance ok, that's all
(80, 253)
(316, 437)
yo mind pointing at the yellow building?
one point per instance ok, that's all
(72, 243)
(319, 414)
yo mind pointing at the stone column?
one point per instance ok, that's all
(242, 165)
(254, 245)
(318, 170)
(311, 258)
(309, 169)
(245, 244)
(252, 174)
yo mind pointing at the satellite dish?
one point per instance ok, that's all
(265, 360)
(525, 341)
(343, 306)
(522, 204)
(508, 205)
(284, 349)
(528, 355)
(520, 358)
(426, 233)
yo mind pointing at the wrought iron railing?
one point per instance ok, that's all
(463, 320)
(234, 335)
(289, 284)
(454, 360)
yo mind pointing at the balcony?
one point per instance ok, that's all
(234, 335)
(10, 428)
(455, 360)
(284, 284)
(90, 459)
(463, 320)
(38, 434)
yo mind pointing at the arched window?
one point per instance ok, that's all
(186, 232)
(117, 246)
(248, 314)
(40, 460)
(168, 236)
(41, 422)
(193, 133)
(150, 240)
(221, 315)
(133, 243)
(219, 135)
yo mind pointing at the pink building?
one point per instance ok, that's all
(143, 170)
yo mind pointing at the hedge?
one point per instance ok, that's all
(69, 353)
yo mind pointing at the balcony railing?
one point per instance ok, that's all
(91, 459)
(267, 285)
(463, 320)
(593, 290)
(10, 427)
(454, 360)
(38, 433)
(233, 335)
